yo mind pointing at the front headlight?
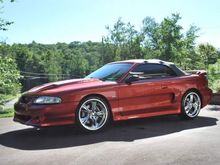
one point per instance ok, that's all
(47, 100)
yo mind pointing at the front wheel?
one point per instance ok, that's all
(191, 105)
(93, 114)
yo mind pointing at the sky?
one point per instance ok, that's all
(52, 21)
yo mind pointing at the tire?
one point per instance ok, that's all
(190, 105)
(93, 114)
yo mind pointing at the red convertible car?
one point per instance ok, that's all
(117, 91)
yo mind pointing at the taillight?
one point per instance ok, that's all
(204, 76)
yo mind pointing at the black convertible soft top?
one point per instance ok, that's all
(171, 65)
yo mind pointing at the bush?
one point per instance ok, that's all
(9, 79)
(214, 76)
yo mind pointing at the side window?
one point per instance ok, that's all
(154, 71)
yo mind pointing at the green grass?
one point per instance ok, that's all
(6, 112)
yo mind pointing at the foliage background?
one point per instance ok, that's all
(23, 66)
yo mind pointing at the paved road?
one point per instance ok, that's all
(160, 140)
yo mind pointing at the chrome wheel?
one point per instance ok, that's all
(93, 114)
(192, 104)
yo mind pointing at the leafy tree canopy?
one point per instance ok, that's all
(166, 40)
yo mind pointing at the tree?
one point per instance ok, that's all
(208, 54)
(9, 77)
(122, 42)
(52, 66)
(188, 58)
(166, 40)
(3, 23)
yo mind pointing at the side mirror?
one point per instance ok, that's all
(134, 77)
(131, 79)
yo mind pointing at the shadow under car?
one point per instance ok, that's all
(126, 131)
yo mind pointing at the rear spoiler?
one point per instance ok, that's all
(201, 73)
(198, 72)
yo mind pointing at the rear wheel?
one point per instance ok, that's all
(93, 114)
(191, 105)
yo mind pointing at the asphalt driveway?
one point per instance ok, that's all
(158, 140)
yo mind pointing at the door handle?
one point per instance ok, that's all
(164, 87)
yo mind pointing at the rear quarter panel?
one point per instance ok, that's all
(193, 82)
(179, 86)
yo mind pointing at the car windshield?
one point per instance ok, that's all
(110, 72)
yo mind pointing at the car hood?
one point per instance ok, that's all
(68, 85)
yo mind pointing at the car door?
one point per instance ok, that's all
(150, 93)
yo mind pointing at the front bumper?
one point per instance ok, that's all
(45, 115)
